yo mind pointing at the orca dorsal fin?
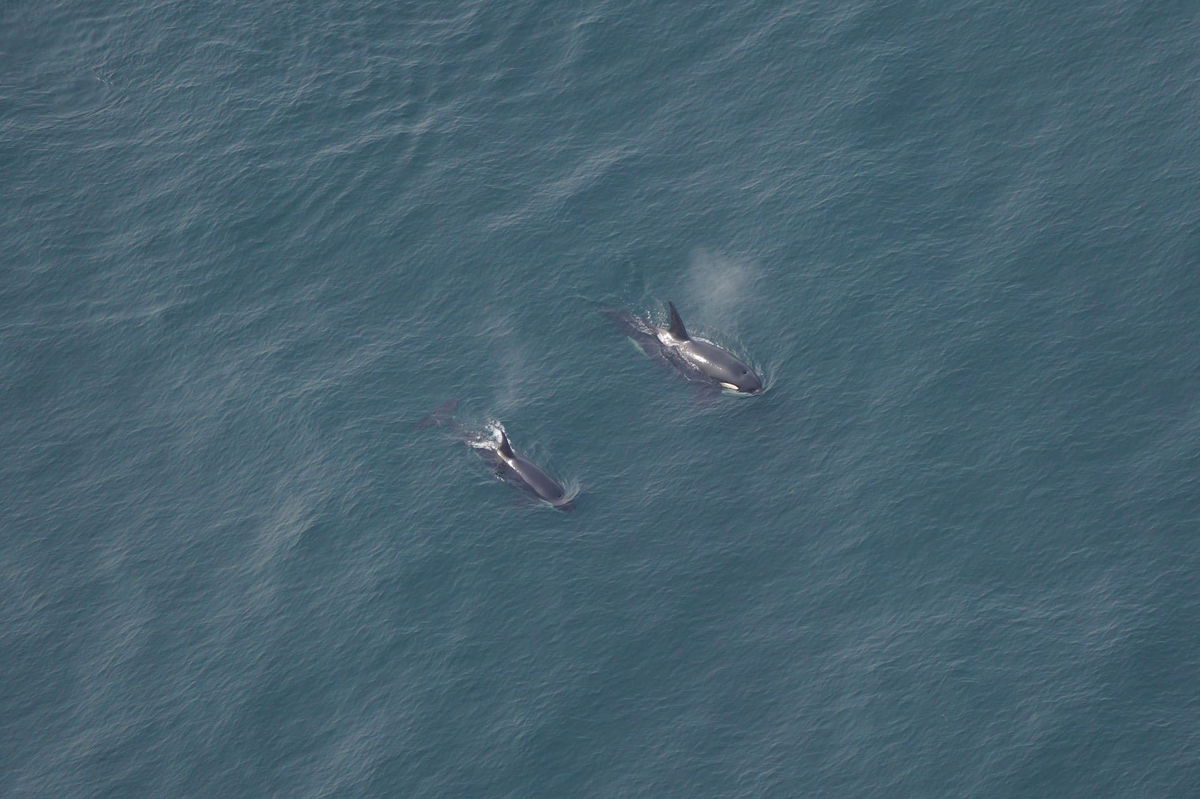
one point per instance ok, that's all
(504, 448)
(677, 330)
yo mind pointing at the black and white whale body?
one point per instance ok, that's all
(696, 358)
(517, 469)
(509, 465)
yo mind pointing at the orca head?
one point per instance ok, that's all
(738, 377)
(747, 382)
(721, 366)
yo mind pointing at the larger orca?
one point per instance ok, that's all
(508, 464)
(696, 358)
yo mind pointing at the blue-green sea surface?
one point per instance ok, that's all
(950, 552)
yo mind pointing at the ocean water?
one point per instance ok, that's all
(951, 551)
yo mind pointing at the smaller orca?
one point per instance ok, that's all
(509, 465)
(694, 357)
(518, 469)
